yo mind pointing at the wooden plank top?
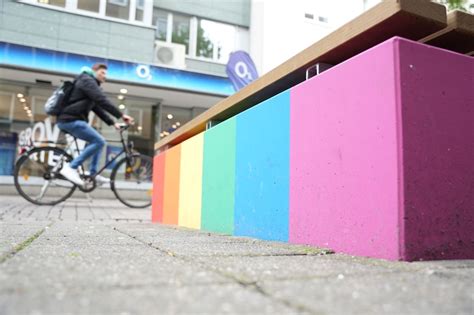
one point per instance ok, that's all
(412, 19)
(458, 36)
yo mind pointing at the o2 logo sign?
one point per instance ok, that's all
(242, 70)
(143, 72)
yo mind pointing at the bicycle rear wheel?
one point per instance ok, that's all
(131, 181)
(37, 177)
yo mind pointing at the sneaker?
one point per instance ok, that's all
(101, 180)
(71, 174)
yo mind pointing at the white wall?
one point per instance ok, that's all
(279, 28)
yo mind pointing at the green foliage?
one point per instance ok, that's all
(456, 5)
(181, 36)
(205, 46)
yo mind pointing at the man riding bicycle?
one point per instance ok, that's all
(86, 96)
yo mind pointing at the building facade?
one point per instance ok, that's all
(280, 29)
(166, 60)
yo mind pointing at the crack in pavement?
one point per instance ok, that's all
(27, 242)
(11, 208)
(262, 255)
(82, 287)
(253, 285)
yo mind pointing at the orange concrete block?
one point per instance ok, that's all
(171, 187)
(158, 187)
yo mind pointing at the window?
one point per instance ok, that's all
(133, 11)
(172, 118)
(58, 3)
(202, 38)
(5, 105)
(215, 40)
(139, 10)
(88, 5)
(181, 28)
(119, 9)
(160, 20)
(323, 19)
(38, 108)
(22, 111)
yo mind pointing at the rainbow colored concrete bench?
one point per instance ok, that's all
(373, 157)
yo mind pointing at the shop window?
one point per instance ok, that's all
(38, 108)
(88, 5)
(143, 117)
(22, 111)
(146, 125)
(137, 114)
(172, 118)
(5, 106)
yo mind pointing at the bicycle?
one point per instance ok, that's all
(37, 177)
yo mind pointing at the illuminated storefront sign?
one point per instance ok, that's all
(69, 63)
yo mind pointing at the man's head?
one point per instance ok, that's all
(100, 71)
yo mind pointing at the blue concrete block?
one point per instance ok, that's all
(262, 170)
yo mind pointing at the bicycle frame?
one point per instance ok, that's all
(126, 148)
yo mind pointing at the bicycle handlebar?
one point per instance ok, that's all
(124, 127)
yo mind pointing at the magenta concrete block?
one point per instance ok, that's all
(382, 155)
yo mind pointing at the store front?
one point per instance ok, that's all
(160, 99)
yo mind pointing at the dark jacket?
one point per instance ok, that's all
(86, 96)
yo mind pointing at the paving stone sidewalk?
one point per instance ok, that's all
(103, 258)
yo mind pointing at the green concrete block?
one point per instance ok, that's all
(218, 179)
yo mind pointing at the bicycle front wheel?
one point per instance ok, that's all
(37, 178)
(131, 180)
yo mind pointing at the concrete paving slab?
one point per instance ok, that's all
(109, 260)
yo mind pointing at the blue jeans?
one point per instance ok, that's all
(81, 130)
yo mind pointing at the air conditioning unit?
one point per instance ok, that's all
(170, 54)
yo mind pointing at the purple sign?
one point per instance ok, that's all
(241, 69)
